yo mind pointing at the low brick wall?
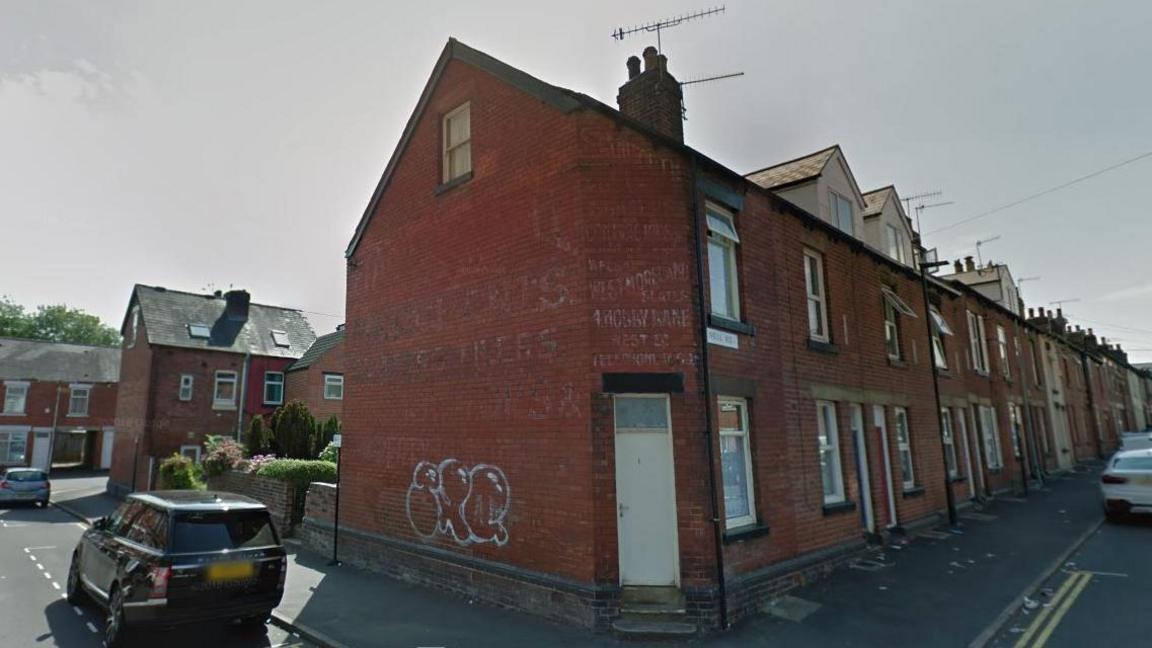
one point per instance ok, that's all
(278, 496)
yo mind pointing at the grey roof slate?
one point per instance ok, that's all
(874, 200)
(58, 361)
(802, 168)
(322, 345)
(167, 314)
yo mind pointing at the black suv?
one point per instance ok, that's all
(173, 557)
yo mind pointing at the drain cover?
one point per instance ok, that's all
(791, 608)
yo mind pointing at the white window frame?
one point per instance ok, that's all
(990, 433)
(1002, 347)
(722, 235)
(270, 382)
(817, 296)
(448, 147)
(280, 339)
(834, 201)
(891, 331)
(23, 387)
(333, 380)
(9, 438)
(977, 344)
(828, 442)
(895, 240)
(940, 328)
(948, 437)
(746, 448)
(199, 331)
(184, 452)
(74, 392)
(224, 377)
(187, 382)
(904, 447)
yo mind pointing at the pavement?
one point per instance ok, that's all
(982, 583)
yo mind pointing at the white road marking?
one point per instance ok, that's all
(32, 557)
(56, 585)
(26, 550)
(78, 611)
(47, 575)
(39, 566)
(1116, 574)
(30, 549)
(92, 627)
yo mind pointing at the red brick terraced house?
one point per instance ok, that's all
(591, 370)
(194, 365)
(59, 404)
(317, 378)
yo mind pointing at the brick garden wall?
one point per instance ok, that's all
(279, 496)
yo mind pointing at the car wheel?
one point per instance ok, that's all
(75, 590)
(115, 628)
(258, 621)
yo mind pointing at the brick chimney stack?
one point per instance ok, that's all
(653, 97)
(959, 266)
(236, 307)
(969, 264)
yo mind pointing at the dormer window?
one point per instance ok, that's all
(841, 210)
(200, 331)
(280, 339)
(457, 138)
(895, 240)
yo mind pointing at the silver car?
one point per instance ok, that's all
(25, 485)
(1126, 484)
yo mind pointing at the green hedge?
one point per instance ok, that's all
(300, 472)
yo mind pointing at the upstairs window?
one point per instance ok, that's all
(186, 387)
(842, 216)
(224, 395)
(817, 303)
(273, 388)
(940, 328)
(78, 400)
(977, 343)
(201, 331)
(722, 278)
(280, 339)
(1002, 346)
(895, 239)
(15, 397)
(457, 138)
(333, 387)
(893, 308)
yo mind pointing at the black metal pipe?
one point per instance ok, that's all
(948, 495)
(336, 512)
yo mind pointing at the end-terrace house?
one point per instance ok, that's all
(317, 378)
(59, 404)
(194, 365)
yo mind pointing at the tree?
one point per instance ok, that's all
(57, 323)
(258, 438)
(294, 431)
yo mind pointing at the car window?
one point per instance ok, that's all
(203, 531)
(1133, 463)
(149, 528)
(26, 476)
(120, 521)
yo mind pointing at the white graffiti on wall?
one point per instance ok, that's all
(466, 504)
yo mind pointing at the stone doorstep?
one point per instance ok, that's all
(653, 613)
(640, 630)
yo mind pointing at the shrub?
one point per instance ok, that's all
(294, 430)
(330, 453)
(259, 437)
(324, 434)
(255, 463)
(221, 456)
(180, 473)
(300, 472)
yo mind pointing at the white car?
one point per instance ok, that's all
(1126, 483)
(1136, 440)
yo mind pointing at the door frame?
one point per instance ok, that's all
(37, 433)
(863, 467)
(880, 421)
(671, 482)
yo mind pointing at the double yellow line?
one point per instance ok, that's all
(1041, 629)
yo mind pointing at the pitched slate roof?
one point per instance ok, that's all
(322, 345)
(875, 200)
(167, 315)
(793, 171)
(58, 361)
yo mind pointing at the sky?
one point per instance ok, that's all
(222, 144)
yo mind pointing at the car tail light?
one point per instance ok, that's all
(4, 485)
(160, 577)
(1113, 479)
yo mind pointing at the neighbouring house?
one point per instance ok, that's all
(886, 227)
(598, 374)
(317, 378)
(59, 404)
(194, 365)
(993, 280)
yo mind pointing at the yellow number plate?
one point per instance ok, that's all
(229, 571)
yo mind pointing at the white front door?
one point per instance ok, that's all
(106, 448)
(645, 492)
(41, 449)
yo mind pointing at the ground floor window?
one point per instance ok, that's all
(904, 448)
(831, 472)
(13, 447)
(191, 451)
(949, 442)
(736, 462)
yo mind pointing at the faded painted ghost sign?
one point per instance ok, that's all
(468, 505)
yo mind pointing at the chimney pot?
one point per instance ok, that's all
(650, 58)
(1059, 312)
(1031, 313)
(969, 264)
(633, 67)
(959, 266)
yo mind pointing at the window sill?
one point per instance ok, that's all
(271, 404)
(839, 507)
(333, 399)
(995, 471)
(823, 347)
(746, 532)
(453, 183)
(224, 407)
(716, 321)
(943, 373)
(913, 492)
(956, 480)
(71, 415)
(13, 414)
(897, 363)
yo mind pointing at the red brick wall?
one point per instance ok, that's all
(308, 384)
(132, 411)
(41, 405)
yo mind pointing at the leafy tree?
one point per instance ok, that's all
(259, 440)
(324, 434)
(294, 431)
(57, 323)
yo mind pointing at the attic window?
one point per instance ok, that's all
(457, 141)
(199, 331)
(280, 339)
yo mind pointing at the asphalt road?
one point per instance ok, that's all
(1099, 597)
(35, 549)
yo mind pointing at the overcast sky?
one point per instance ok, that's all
(216, 144)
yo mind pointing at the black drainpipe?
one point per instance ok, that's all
(702, 312)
